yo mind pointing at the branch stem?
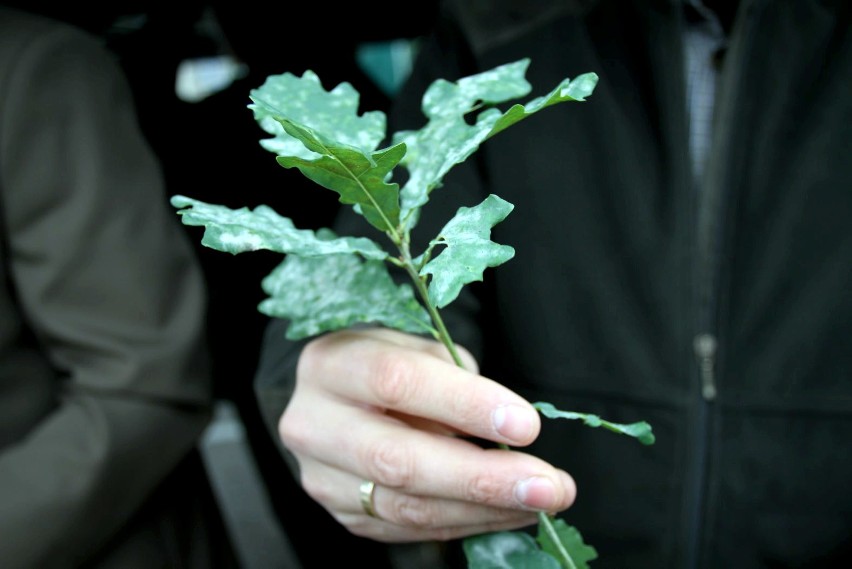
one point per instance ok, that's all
(443, 335)
(545, 523)
(420, 285)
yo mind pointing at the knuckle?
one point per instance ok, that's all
(390, 464)
(395, 379)
(413, 511)
(293, 432)
(310, 356)
(483, 489)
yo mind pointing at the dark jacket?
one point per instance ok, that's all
(623, 261)
(104, 375)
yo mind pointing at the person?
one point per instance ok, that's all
(104, 370)
(683, 257)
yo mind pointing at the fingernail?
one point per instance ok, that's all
(513, 422)
(537, 493)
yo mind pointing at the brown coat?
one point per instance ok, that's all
(104, 375)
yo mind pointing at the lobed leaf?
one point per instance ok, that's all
(506, 550)
(304, 100)
(322, 294)
(569, 90)
(320, 134)
(240, 230)
(448, 139)
(358, 178)
(469, 250)
(640, 430)
(572, 542)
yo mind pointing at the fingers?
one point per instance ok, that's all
(423, 463)
(402, 517)
(388, 407)
(414, 378)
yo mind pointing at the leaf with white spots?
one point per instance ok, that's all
(469, 249)
(320, 133)
(240, 230)
(304, 100)
(447, 139)
(323, 294)
(506, 550)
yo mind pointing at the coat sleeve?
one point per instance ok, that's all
(107, 282)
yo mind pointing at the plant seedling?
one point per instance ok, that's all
(328, 282)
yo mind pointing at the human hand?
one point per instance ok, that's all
(384, 406)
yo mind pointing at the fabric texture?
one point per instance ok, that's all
(621, 264)
(104, 374)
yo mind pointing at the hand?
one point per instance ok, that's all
(393, 408)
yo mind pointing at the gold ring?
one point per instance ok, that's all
(366, 492)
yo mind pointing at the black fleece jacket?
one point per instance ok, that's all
(718, 311)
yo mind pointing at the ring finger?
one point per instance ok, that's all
(403, 517)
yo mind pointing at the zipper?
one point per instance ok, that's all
(712, 199)
(705, 346)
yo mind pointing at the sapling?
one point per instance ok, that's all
(328, 282)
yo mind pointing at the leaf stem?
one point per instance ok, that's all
(391, 230)
(564, 557)
(443, 333)
(444, 336)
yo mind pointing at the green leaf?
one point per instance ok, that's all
(321, 135)
(469, 251)
(240, 230)
(506, 550)
(322, 294)
(358, 179)
(447, 139)
(569, 90)
(571, 540)
(304, 100)
(640, 430)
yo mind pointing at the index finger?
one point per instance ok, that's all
(404, 373)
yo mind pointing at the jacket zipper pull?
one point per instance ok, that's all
(705, 350)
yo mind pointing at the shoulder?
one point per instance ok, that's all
(48, 64)
(29, 40)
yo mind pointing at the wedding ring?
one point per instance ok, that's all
(366, 492)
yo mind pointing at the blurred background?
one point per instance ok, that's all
(191, 65)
